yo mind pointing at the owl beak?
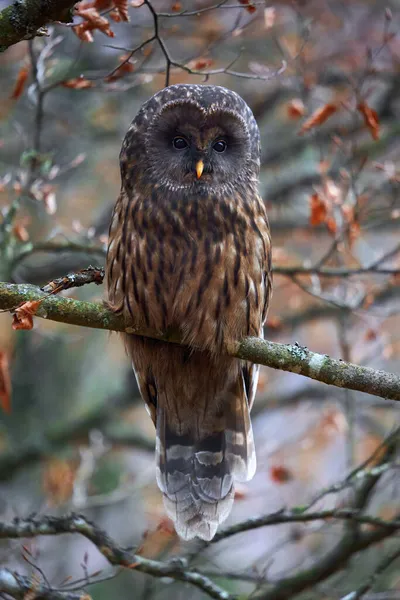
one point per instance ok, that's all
(199, 168)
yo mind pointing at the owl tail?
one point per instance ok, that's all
(196, 470)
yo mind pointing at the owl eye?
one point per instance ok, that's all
(220, 146)
(179, 143)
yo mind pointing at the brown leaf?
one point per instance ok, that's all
(21, 232)
(78, 83)
(295, 108)
(5, 383)
(122, 9)
(176, 7)
(280, 474)
(20, 83)
(371, 119)
(318, 211)
(318, 117)
(202, 63)
(125, 67)
(93, 21)
(100, 5)
(331, 224)
(58, 480)
(23, 315)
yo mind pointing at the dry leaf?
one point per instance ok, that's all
(122, 8)
(23, 315)
(21, 232)
(371, 119)
(318, 117)
(5, 383)
(176, 7)
(280, 474)
(20, 83)
(155, 542)
(202, 63)
(331, 224)
(318, 211)
(125, 67)
(58, 480)
(295, 108)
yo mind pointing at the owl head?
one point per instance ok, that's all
(203, 137)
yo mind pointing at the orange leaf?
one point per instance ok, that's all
(124, 68)
(295, 108)
(79, 83)
(122, 9)
(22, 318)
(176, 7)
(318, 117)
(331, 224)
(100, 4)
(20, 83)
(318, 212)
(203, 63)
(280, 474)
(371, 119)
(21, 232)
(5, 383)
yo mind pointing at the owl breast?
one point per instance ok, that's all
(197, 263)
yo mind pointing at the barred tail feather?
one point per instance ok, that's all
(196, 472)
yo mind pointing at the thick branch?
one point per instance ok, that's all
(22, 20)
(287, 357)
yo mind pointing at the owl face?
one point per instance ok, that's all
(188, 146)
(199, 138)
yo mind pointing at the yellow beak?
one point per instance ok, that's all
(199, 168)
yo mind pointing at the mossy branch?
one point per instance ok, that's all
(286, 357)
(24, 19)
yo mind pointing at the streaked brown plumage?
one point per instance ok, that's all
(190, 249)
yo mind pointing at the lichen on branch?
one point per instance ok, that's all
(24, 19)
(286, 357)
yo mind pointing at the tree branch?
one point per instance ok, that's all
(22, 20)
(18, 586)
(286, 357)
(73, 523)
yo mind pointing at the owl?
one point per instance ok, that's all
(190, 252)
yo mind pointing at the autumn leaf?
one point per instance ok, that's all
(155, 542)
(371, 119)
(20, 83)
(78, 83)
(100, 4)
(58, 480)
(125, 67)
(202, 63)
(23, 315)
(318, 117)
(331, 224)
(5, 383)
(93, 21)
(318, 211)
(280, 474)
(121, 7)
(295, 108)
(176, 7)
(20, 231)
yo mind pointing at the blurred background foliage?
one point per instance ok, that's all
(77, 436)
